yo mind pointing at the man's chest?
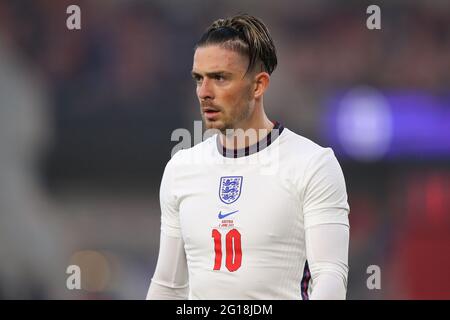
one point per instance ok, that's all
(257, 210)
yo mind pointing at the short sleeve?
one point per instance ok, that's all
(170, 219)
(325, 195)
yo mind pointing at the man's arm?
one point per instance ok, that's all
(326, 226)
(170, 280)
(327, 254)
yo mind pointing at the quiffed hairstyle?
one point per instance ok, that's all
(245, 34)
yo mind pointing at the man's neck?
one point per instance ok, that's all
(247, 134)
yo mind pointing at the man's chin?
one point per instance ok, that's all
(215, 125)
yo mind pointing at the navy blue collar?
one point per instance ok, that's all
(254, 148)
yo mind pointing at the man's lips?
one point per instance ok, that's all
(210, 113)
(209, 109)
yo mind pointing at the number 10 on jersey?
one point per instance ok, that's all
(233, 258)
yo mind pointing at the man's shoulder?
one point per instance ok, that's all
(297, 145)
(198, 151)
(307, 157)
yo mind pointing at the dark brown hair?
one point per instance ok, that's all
(245, 34)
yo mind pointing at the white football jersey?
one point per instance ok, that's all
(242, 216)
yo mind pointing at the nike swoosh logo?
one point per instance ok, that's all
(221, 216)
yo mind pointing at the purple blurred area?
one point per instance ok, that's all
(86, 118)
(367, 125)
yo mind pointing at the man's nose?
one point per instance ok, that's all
(204, 90)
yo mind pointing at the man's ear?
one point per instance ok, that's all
(262, 80)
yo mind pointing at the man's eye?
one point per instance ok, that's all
(219, 77)
(197, 79)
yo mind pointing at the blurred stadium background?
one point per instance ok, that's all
(86, 118)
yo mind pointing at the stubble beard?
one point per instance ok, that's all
(227, 125)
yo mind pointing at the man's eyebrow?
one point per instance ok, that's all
(195, 74)
(211, 74)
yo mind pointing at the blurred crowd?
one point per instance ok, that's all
(123, 81)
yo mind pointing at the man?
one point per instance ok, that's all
(263, 217)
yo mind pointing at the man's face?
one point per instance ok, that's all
(224, 91)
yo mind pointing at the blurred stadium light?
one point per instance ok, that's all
(367, 124)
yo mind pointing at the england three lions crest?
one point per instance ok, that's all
(230, 188)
